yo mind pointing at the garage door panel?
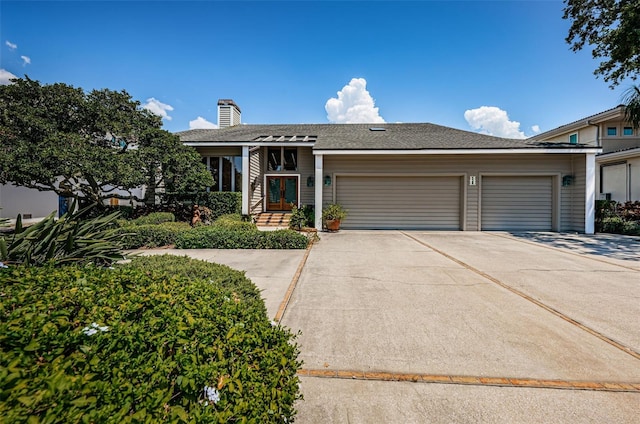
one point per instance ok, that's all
(517, 203)
(400, 202)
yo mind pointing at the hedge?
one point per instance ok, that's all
(153, 218)
(212, 237)
(234, 222)
(220, 202)
(133, 345)
(136, 236)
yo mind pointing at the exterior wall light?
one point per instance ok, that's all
(310, 181)
(327, 180)
(567, 180)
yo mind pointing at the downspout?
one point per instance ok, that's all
(598, 144)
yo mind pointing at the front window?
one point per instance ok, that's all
(226, 172)
(612, 131)
(627, 131)
(282, 159)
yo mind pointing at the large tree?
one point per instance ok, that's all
(612, 28)
(96, 145)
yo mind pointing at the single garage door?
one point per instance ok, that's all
(400, 202)
(517, 203)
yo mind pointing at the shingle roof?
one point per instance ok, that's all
(362, 137)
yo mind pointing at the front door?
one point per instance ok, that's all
(281, 192)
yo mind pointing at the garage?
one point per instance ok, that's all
(400, 202)
(517, 203)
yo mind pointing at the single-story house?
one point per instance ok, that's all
(403, 176)
(618, 165)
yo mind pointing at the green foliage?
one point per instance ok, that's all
(611, 27)
(154, 218)
(55, 137)
(219, 275)
(220, 202)
(234, 222)
(613, 224)
(150, 235)
(301, 217)
(631, 101)
(67, 240)
(631, 228)
(133, 345)
(617, 218)
(333, 211)
(211, 237)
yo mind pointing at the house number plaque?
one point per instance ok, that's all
(472, 180)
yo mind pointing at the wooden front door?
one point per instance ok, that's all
(281, 192)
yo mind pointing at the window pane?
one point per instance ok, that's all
(273, 158)
(226, 174)
(237, 162)
(291, 159)
(627, 131)
(214, 167)
(573, 139)
(612, 131)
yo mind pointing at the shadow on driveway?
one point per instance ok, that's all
(614, 246)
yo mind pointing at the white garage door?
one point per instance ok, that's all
(517, 203)
(400, 202)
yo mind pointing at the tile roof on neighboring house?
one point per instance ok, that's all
(362, 137)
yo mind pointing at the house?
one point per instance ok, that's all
(618, 166)
(403, 176)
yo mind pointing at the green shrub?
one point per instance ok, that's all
(631, 228)
(220, 202)
(136, 236)
(301, 217)
(132, 346)
(219, 275)
(223, 238)
(613, 224)
(154, 218)
(69, 239)
(234, 222)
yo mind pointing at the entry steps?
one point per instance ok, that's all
(273, 219)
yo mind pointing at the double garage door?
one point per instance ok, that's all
(392, 202)
(519, 203)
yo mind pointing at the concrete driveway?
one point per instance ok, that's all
(468, 327)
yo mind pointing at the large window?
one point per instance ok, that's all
(282, 159)
(627, 131)
(226, 172)
(612, 131)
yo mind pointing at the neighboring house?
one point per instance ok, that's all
(28, 202)
(618, 166)
(403, 176)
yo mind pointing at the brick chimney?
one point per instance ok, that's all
(228, 113)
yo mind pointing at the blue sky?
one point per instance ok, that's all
(282, 62)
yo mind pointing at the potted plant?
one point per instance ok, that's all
(332, 215)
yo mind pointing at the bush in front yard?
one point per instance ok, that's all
(134, 345)
(219, 275)
(136, 236)
(220, 202)
(223, 238)
(154, 218)
(234, 222)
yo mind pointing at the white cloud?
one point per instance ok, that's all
(5, 76)
(535, 128)
(156, 106)
(11, 45)
(26, 60)
(353, 105)
(493, 121)
(201, 124)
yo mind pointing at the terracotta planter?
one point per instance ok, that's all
(333, 224)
